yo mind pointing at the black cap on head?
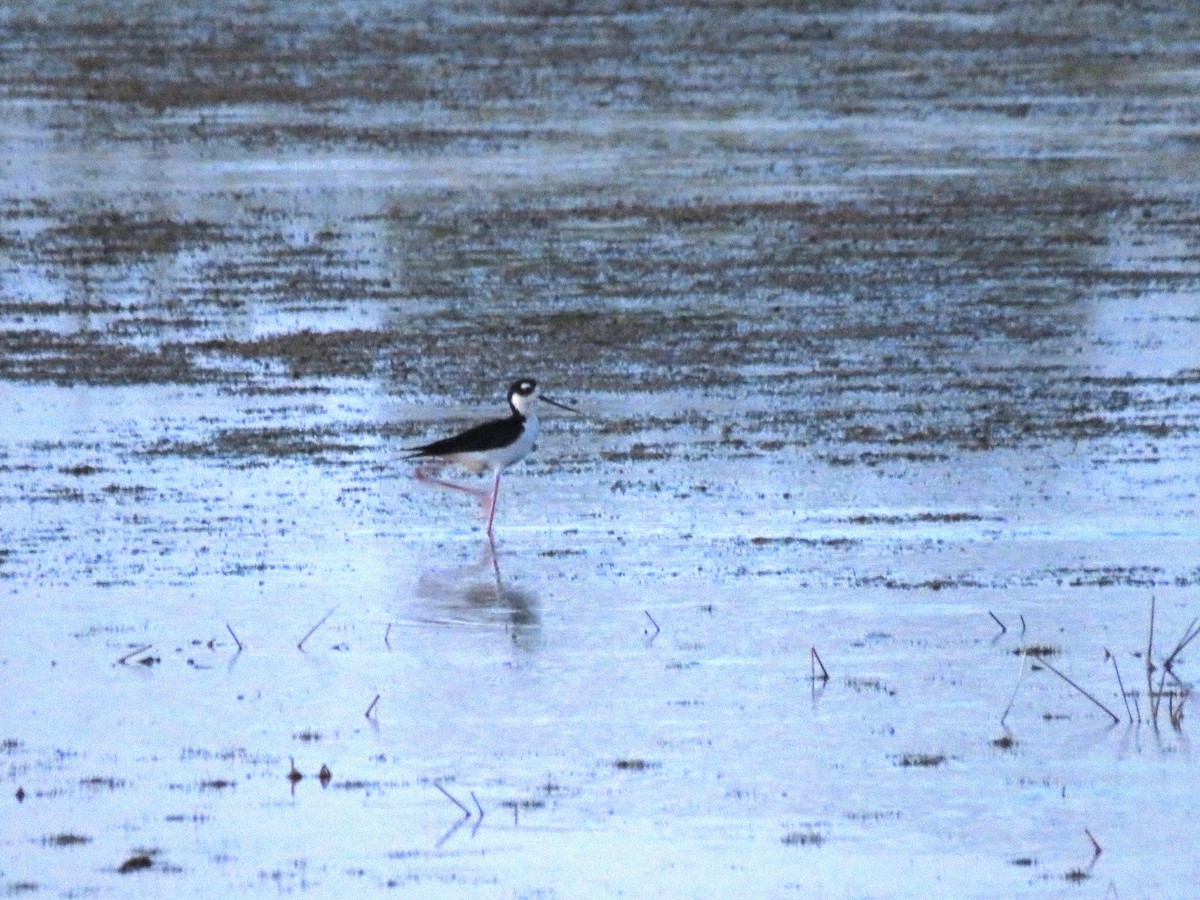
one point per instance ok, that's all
(522, 387)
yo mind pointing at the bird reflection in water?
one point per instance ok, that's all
(477, 593)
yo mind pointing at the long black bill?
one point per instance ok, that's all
(569, 409)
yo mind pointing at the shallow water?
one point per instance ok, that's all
(884, 322)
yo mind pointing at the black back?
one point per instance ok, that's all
(488, 436)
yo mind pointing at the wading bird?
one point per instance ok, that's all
(491, 446)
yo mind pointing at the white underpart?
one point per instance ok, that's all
(506, 456)
(501, 457)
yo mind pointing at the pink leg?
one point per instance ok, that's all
(426, 476)
(492, 512)
(489, 556)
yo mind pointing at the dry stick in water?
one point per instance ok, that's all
(478, 821)
(1003, 630)
(1120, 683)
(386, 642)
(1172, 713)
(1045, 663)
(1095, 844)
(1016, 687)
(371, 708)
(125, 658)
(1175, 713)
(1189, 635)
(234, 636)
(814, 660)
(652, 622)
(1162, 679)
(1150, 667)
(454, 800)
(300, 646)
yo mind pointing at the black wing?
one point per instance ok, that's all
(488, 436)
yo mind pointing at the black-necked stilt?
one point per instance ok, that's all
(492, 446)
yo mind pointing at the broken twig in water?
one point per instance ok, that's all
(454, 800)
(1120, 683)
(1189, 635)
(1150, 668)
(1046, 663)
(652, 622)
(126, 657)
(300, 646)
(1156, 698)
(234, 636)
(1003, 629)
(1175, 713)
(814, 660)
(1016, 687)
(1095, 844)
(388, 631)
(371, 708)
